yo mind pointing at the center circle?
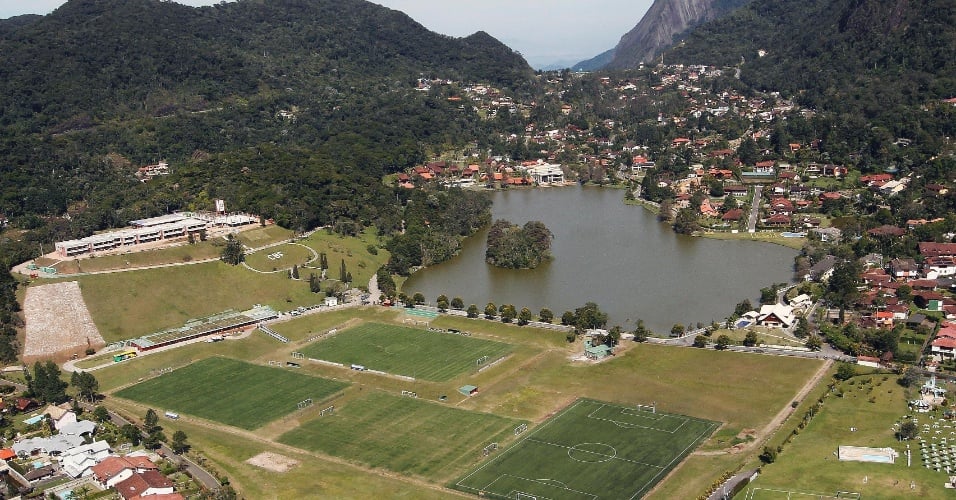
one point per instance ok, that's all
(593, 453)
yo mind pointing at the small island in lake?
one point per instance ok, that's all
(515, 247)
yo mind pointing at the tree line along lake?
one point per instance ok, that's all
(618, 256)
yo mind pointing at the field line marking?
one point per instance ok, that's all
(707, 431)
(517, 443)
(545, 482)
(601, 454)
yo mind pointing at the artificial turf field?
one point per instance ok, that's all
(231, 392)
(412, 352)
(590, 450)
(403, 434)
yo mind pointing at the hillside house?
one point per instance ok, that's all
(775, 316)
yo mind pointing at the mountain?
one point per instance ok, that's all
(870, 60)
(665, 20)
(595, 63)
(293, 109)
(103, 54)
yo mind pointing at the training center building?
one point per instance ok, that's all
(164, 227)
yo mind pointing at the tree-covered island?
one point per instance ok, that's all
(517, 247)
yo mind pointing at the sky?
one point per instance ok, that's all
(545, 32)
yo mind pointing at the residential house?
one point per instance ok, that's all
(931, 249)
(822, 270)
(60, 415)
(775, 316)
(941, 266)
(113, 470)
(781, 206)
(887, 231)
(79, 461)
(733, 215)
(904, 268)
(738, 190)
(144, 484)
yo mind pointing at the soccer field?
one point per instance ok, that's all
(406, 351)
(591, 450)
(231, 392)
(403, 434)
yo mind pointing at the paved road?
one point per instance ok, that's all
(723, 493)
(754, 209)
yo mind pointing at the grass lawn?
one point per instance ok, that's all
(764, 336)
(305, 327)
(231, 392)
(871, 404)
(403, 434)
(291, 254)
(590, 449)
(510, 333)
(764, 237)
(262, 236)
(406, 351)
(128, 305)
(184, 252)
(352, 250)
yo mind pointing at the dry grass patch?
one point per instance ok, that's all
(273, 462)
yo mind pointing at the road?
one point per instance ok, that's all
(754, 209)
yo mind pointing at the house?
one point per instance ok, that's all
(596, 352)
(468, 390)
(778, 220)
(79, 461)
(53, 445)
(887, 230)
(868, 361)
(738, 190)
(821, 271)
(931, 249)
(903, 268)
(802, 300)
(883, 319)
(144, 484)
(943, 347)
(733, 215)
(113, 470)
(827, 233)
(330, 301)
(775, 316)
(781, 206)
(60, 416)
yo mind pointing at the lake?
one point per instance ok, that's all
(618, 256)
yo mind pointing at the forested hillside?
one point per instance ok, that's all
(289, 108)
(870, 60)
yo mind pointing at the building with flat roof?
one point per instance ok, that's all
(546, 173)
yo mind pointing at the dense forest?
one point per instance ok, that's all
(869, 62)
(518, 247)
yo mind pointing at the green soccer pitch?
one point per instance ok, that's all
(232, 392)
(411, 352)
(590, 450)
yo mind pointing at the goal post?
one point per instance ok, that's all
(652, 408)
(521, 428)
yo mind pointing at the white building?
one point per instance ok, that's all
(546, 173)
(775, 316)
(78, 461)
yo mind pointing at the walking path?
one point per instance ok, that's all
(754, 210)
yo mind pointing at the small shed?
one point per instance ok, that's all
(331, 301)
(468, 390)
(599, 351)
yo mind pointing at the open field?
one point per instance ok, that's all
(403, 434)
(352, 250)
(231, 392)
(766, 237)
(399, 350)
(765, 335)
(142, 257)
(262, 236)
(308, 326)
(128, 305)
(509, 333)
(870, 404)
(590, 450)
(280, 258)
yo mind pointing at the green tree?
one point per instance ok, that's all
(46, 383)
(315, 286)
(525, 316)
(457, 304)
(750, 339)
(472, 311)
(723, 341)
(743, 307)
(131, 434)
(567, 319)
(418, 298)
(911, 377)
(769, 455)
(508, 313)
(589, 316)
(295, 272)
(813, 343)
(641, 333)
(845, 371)
(908, 430)
(677, 330)
(179, 444)
(442, 298)
(442, 305)
(802, 330)
(151, 422)
(233, 253)
(85, 384)
(343, 273)
(700, 341)
(101, 414)
(545, 315)
(491, 310)
(842, 287)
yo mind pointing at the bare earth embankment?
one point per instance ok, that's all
(58, 324)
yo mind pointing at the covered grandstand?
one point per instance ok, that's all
(224, 323)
